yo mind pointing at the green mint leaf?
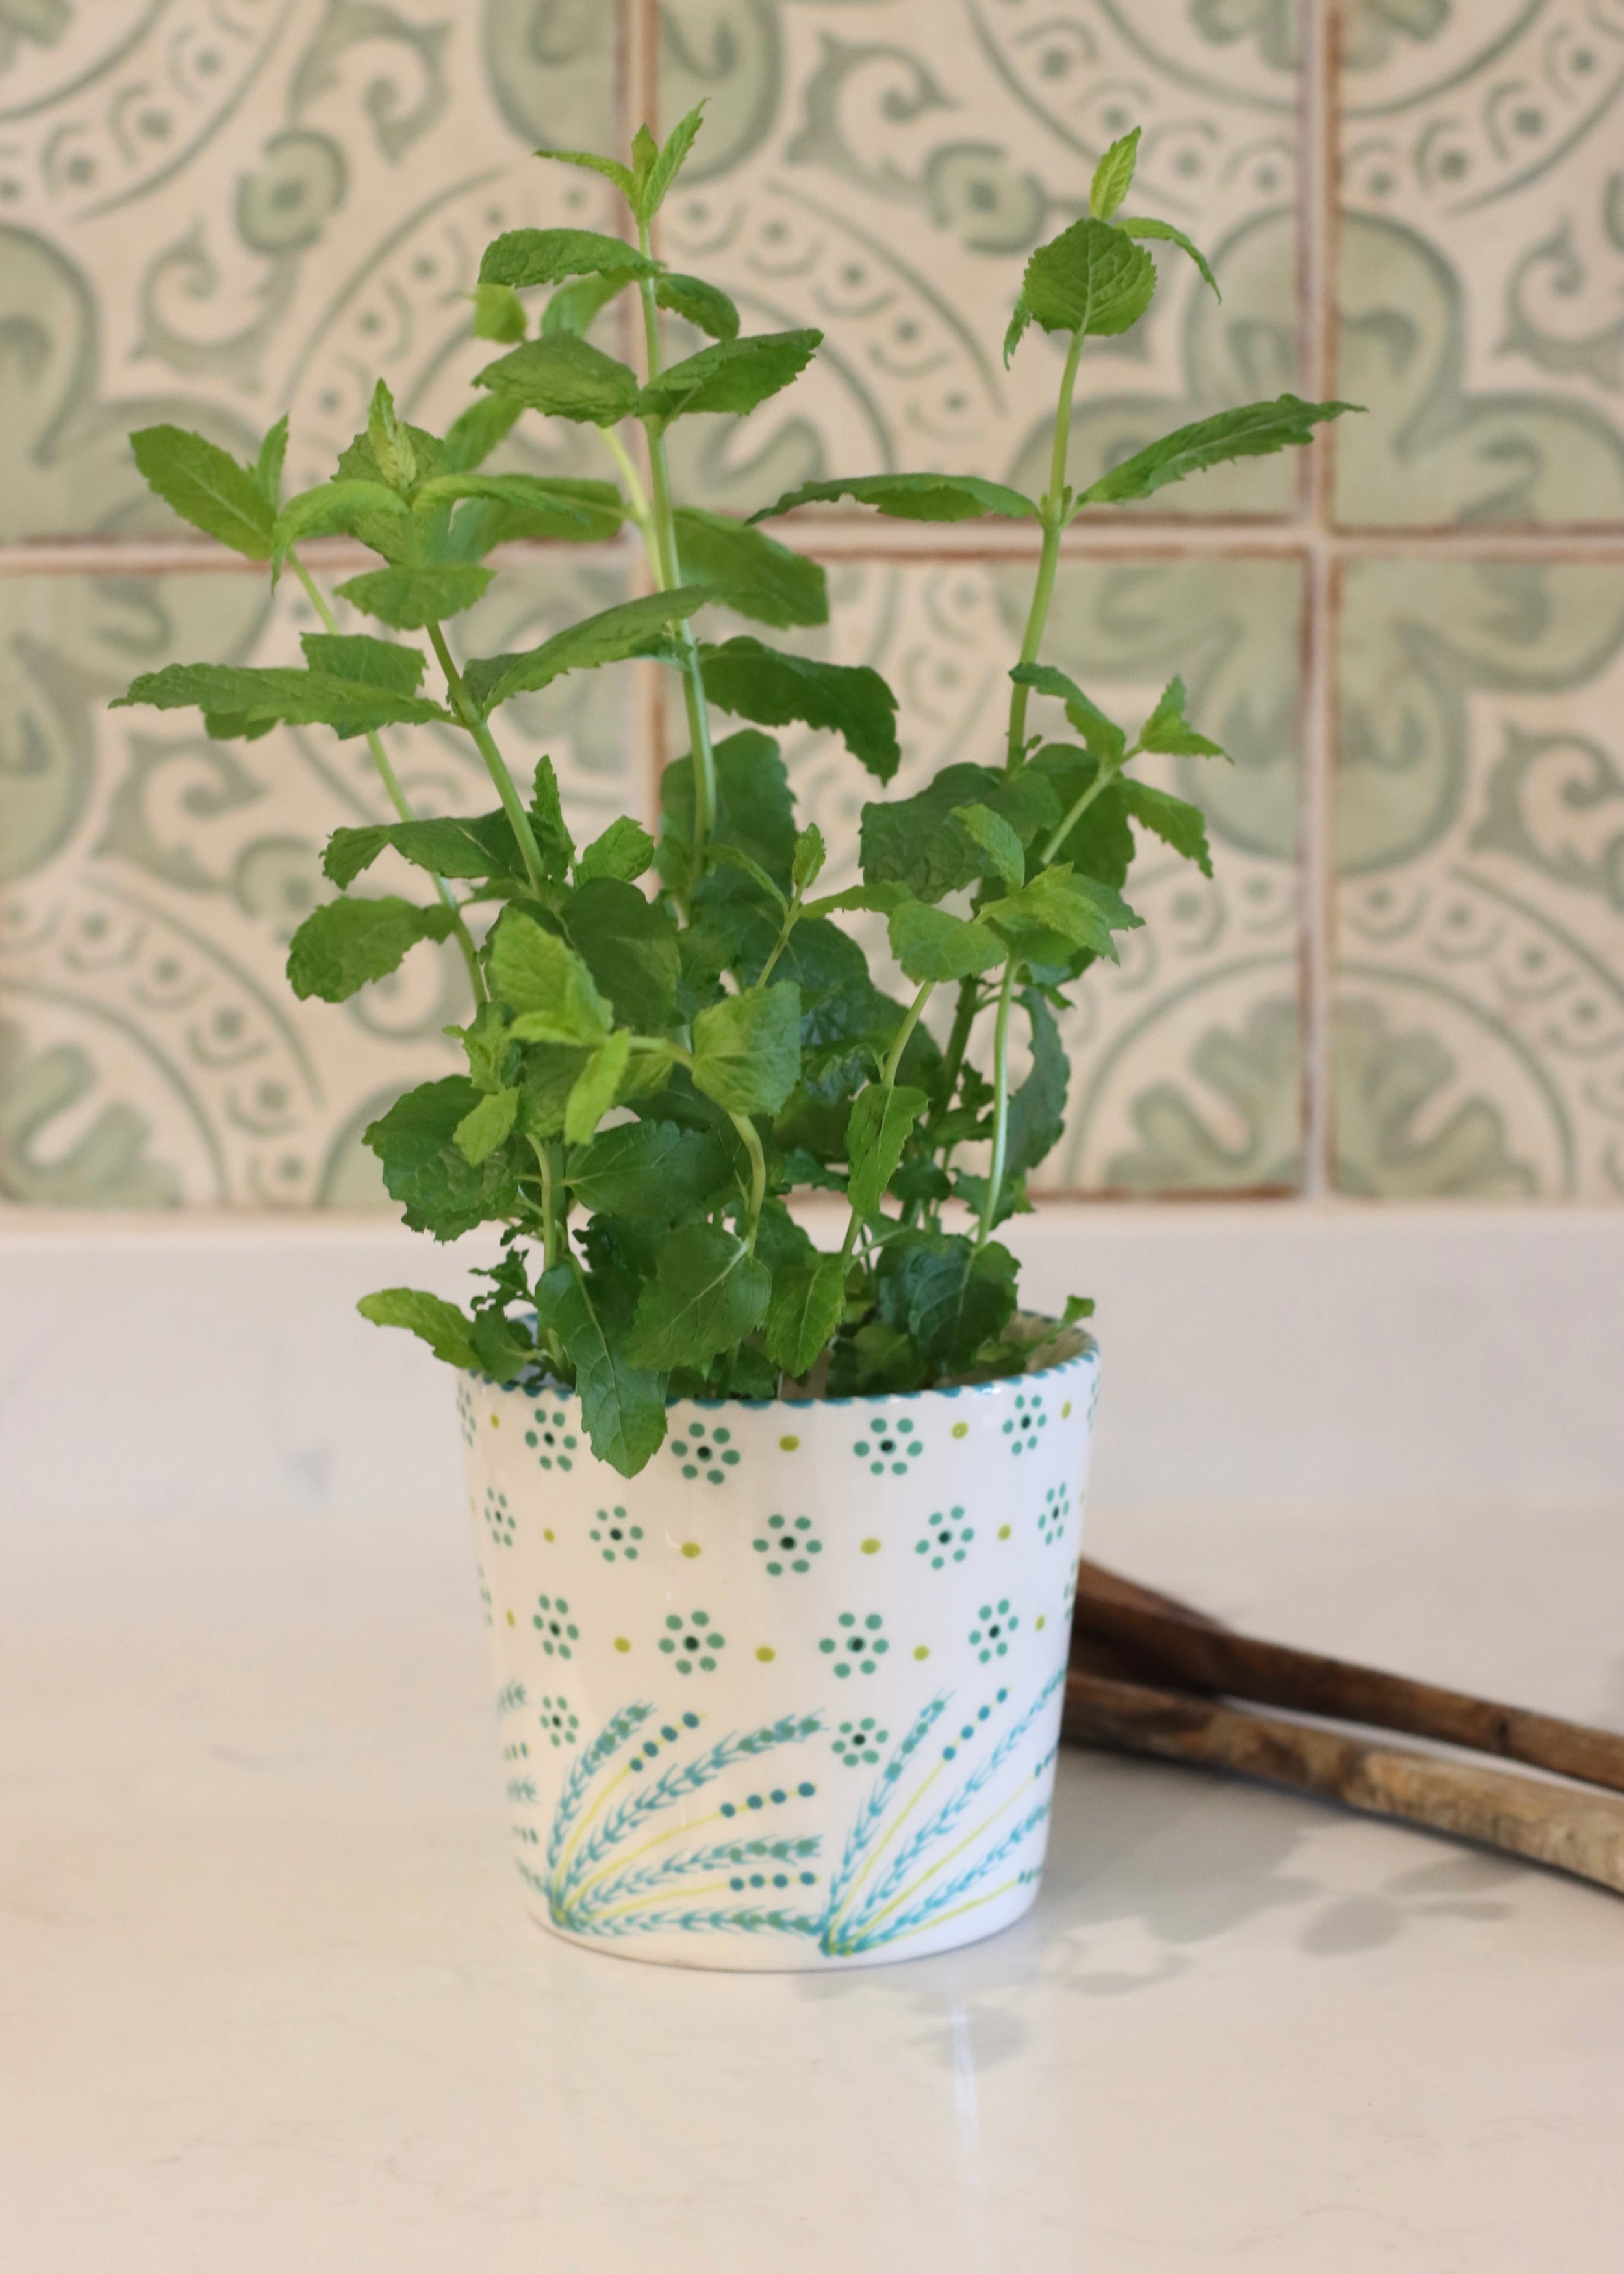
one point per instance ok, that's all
(1036, 1119)
(706, 1294)
(475, 433)
(645, 150)
(917, 843)
(363, 661)
(634, 628)
(544, 981)
(1099, 843)
(912, 497)
(489, 1045)
(596, 1087)
(1165, 232)
(1103, 738)
(947, 1297)
(576, 307)
(366, 509)
(734, 376)
(441, 1192)
(1113, 176)
(647, 1171)
(503, 1349)
(668, 163)
(747, 1048)
(881, 898)
(269, 464)
(1254, 430)
(929, 944)
(582, 510)
(499, 314)
(808, 1301)
(752, 574)
(553, 841)
(486, 1126)
(1173, 819)
(1016, 331)
(393, 452)
(523, 257)
(629, 944)
(851, 700)
(484, 846)
(447, 1330)
(622, 1405)
(997, 840)
(549, 1072)
(1091, 277)
(409, 598)
(1168, 730)
(1077, 907)
(342, 944)
(719, 853)
(206, 486)
(567, 377)
(807, 862)
(276, 694)
(1076, 1306)
(757, 806)
(879, 1128)
(624, 850)
(700, 304)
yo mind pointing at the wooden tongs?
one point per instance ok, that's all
(1147, 1674)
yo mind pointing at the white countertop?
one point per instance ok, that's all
(268, 2003)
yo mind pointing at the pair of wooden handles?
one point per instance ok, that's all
(1148, 1675)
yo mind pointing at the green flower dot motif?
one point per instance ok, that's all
(693, 1642)
(499, 1521)
(465, 1415)
(552, 1622)
(552, 1440)
(1023, 1424)
(860, 1643)
(708, 1453)
(947, 1540)
(1052, 1515)
(558, 1722)
(788, 1543)
(858, 1741)
(614, 1536)
(995, 1628)
(888, 1445)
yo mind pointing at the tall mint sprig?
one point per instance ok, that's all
(670, 1036)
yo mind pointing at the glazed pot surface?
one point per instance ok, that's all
(790, 1698)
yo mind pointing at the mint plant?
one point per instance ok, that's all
(668, 1038)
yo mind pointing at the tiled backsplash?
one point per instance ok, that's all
(1406, 978)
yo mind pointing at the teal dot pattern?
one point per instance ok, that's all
(858, 1644)
(788, 1543)
(551, 1438)
(499, 1518)
(558, 1722)
(1052, 1515)
(1027, 1422)
(968, 1731)
(947, 1541)
(701, 1452)
(888, 1445)
(558, 1630)
(692, 1643)
(857, 1743)
(615, 1536)
(994, 1630)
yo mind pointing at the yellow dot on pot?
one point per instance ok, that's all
(622, 1642)
(961, 1429)
(496, 1422)
(1042, 1622)
(1003, 1531)
(922, 1650)
(789, 1444)
(871, 1547)
(690, 1548)
(510, 1619)
(547, 1532)
(1065, 1411)
(766, 1654)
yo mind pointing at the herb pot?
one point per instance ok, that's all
(790, 1697)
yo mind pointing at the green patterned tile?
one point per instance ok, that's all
(213, 209)
(151, 1054)
(1479, 1027)
(882, 167)
(1186, 1059)
(1483, 262)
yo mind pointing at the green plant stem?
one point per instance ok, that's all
(747, 1130)
(957, 1043)
(668, 568)
(550, 1168)
(792, 917)
(397, 795)
(1000, 1105)
(1052, 513)
(893, 1057)
(642, 512)
(496, 765)
(1106, 776)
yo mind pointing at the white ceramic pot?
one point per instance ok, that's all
(791, 1697)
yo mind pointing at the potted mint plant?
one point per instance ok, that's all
(778, 1541)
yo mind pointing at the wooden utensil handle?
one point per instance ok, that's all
(1173, 1643)
(1579, 1833)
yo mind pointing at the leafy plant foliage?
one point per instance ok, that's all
(668, 1037)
